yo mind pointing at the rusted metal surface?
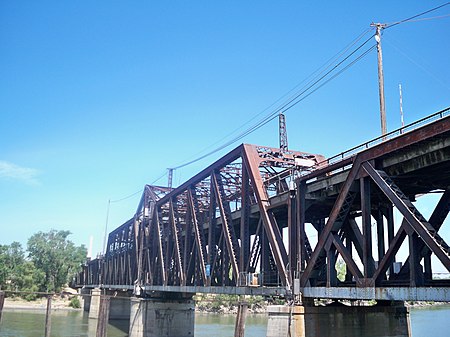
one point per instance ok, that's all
(381, 293)
(222, 230)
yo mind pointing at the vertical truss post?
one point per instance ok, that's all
(160, 247)
(265, 258)
(201, 251)
(212, 249)
(187, 247)
(380, 233)
(177, 242)
(366, 226)
(301, 235)
(348, 245)
(245, 221)
(390, 230)
(226, 228)
(415, 269)
(294, 246)
(331, 264)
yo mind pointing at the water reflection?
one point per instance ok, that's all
(425, 322)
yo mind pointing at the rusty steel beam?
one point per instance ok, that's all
(201, 249)
(347, 256)
(423, 229)
(178, 261)
(226, 229)
(330, 225)
(251, 160)
(247, 193)
(245, 221)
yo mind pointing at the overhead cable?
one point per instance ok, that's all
(389, 25)
(288, 103)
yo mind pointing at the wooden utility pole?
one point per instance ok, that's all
(379, 27)
(103, 316)
(48, 317)
(2, 301)
(239, 328)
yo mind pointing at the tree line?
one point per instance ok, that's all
(47, 265)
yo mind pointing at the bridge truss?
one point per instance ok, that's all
(239, 226)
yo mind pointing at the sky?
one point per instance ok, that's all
(98, 98)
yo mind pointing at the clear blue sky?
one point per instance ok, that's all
(98, 98)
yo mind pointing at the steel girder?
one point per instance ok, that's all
(369, 194)
(226, 221)
(194, 236)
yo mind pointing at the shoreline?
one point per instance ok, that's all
(39, 304)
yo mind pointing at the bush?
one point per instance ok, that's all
(75, 303)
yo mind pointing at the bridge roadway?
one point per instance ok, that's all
(222, 230)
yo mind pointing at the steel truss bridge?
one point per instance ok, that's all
(238, 226)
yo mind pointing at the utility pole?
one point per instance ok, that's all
(283, 133)
(379, 27)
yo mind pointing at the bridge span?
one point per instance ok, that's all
(246, 224)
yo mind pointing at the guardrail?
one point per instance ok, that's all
(396, 133)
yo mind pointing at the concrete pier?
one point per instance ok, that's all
(86, 296)
(338, 321)
(119, 307)
(94, 303)
(152, 317)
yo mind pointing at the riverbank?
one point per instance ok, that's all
(58, 303)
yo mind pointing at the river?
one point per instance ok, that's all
(425, 322)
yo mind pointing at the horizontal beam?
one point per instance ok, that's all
(439, 294)
(228, 290)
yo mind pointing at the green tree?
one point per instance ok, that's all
(16, 273)
(341, 269)
(56, 257)
(12, 257)
(4, 270)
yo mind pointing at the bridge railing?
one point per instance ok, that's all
(395, 133)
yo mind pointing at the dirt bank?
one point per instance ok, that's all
(58, 303)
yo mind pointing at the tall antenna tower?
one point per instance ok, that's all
(401, 106)
(283, 133)
(170, 177)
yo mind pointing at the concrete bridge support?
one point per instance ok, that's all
(162, 316)
(94, 303)
(86, 296)
(119, 305)
(338, 321)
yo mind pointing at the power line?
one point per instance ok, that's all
(288, 103)
(389, 25)
(332, 77)
(127, 197)
(431, 18)
(407, 55)
(303, 92)
(314, 75)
